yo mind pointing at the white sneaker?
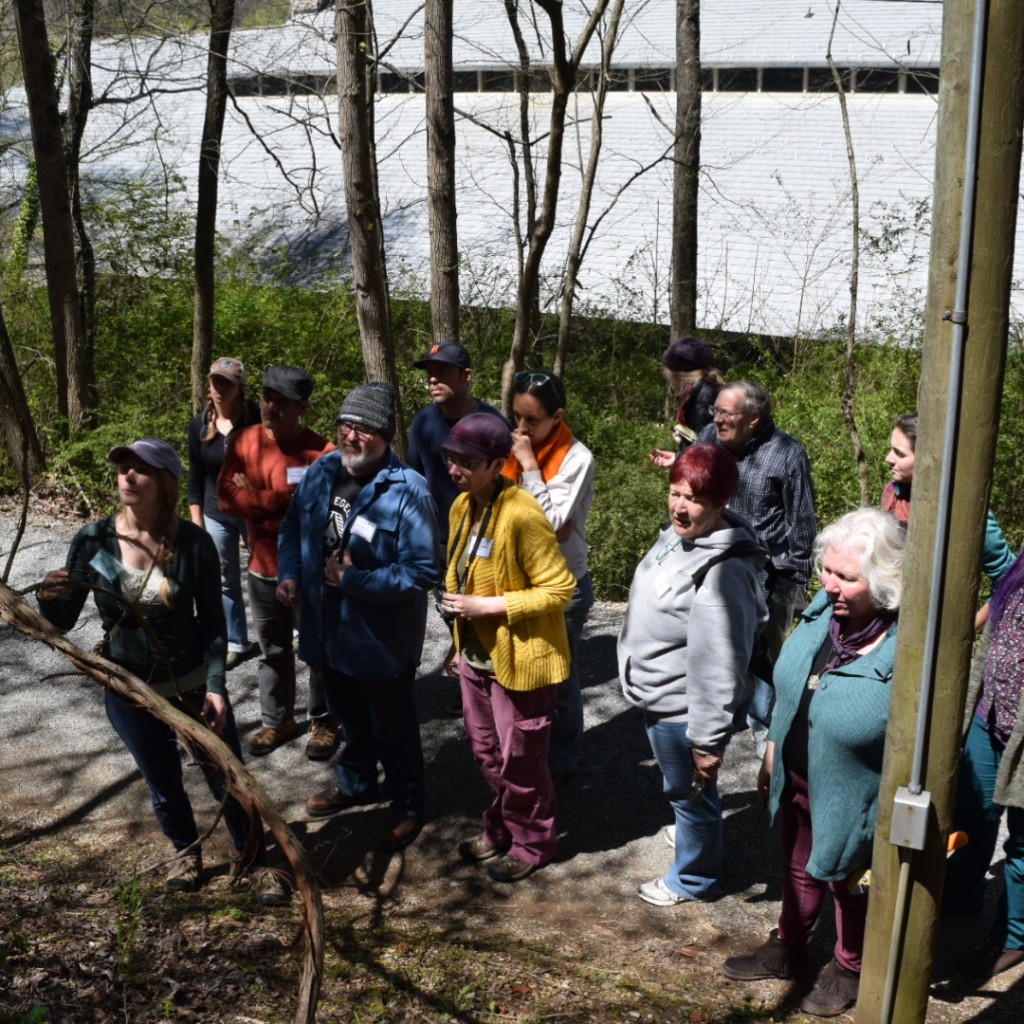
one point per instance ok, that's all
(658, 893)
(668, 833)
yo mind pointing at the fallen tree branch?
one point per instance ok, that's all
(197, 736)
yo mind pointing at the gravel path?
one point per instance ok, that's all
(62, 768)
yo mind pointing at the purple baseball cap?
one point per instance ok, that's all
(153, 452)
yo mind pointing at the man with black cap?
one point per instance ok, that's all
(359, 546)
(449, 376)
(263, 465)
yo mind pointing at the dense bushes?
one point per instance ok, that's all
(616, 395)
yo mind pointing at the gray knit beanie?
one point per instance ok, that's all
(371, 405)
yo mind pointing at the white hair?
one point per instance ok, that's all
(879, 540)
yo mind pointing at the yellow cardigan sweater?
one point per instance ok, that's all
(529, 647)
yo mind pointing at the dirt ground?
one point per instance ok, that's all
(417, 936)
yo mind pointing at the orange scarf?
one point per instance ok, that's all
(549, 454)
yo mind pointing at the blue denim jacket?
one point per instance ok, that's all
(373, 626)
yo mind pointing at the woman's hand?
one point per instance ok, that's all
(470, 606)
(764, 773)
(55, 585)
(215, 711)
(451, 663)
(522, 449)
(660, 457)
(706, 763)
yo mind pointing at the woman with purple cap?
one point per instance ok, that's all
(156, 582)
(688, 366)
(227, 410)
(507, 589)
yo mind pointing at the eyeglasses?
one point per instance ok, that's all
(726, 414)
(538, 378)
(345, 428)
(456, 460)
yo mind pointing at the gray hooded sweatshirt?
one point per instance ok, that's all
(684, 655)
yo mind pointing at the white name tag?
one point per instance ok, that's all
(362, 527)
(484, 550)
(106, 565)
(295, 475)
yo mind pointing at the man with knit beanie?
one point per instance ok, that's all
(262, 467)
(359, 544)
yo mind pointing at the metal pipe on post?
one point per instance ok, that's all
(967, 458)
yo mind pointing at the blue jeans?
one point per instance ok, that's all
(700, 840)
(379, 724)
(978, 816)
(154, 748)
(567, 728)
(226, 535)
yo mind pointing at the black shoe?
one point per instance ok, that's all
(834, 992)
(988, 961)
(774, 959)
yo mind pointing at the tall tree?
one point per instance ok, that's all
(356, 55)
(80, 101)
(686, 170)
(15, 415)
(540, 224)
(441, 209)
(222, 13)
(75, 395)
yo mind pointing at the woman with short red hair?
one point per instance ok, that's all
(695, 609)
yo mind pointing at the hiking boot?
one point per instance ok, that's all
(476, 851)
(333, 800)
(186, 873)
(774, 959)
(323, 738)
(270, 737)
(236, 658)
(402, 834)
(268, 887)
(834, 992)
(510, 869)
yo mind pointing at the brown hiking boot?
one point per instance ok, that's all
(774, 959)
(323, 738)
(186, 873)
(270, 737)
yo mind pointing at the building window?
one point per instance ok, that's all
(737, 79)
(876, 80)
(652, 80)
(782, 80)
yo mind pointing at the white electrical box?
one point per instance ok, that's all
(910, 818)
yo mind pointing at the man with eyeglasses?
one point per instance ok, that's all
(359, 544)
(775, 493)
(263, 465)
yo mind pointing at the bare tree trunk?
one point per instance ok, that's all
(686, 172)
(79, 106)
(576, 245)
(355, 41)
(15, 415)
(198, 738)
(850, 379)
(74, 397)
(444, 246)
(222, 13)
(563, 80)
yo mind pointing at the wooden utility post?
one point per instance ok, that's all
(979, 389)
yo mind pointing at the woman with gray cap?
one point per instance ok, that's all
(156, 582)
(227, 410)
(507, 589)
(688, 366)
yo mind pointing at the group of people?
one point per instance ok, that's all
(347, 543)
(689, 659)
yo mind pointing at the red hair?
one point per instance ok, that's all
(708, 470)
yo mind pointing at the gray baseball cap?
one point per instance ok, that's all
(153, 452)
